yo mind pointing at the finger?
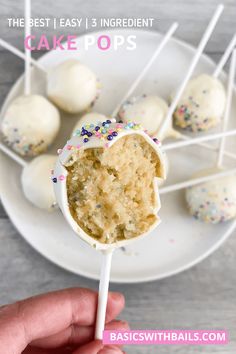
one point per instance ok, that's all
(75, 335)
(90, 348)
(48, 314)
(111, 349)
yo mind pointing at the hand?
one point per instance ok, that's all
(58, 323)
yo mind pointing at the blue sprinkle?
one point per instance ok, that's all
(97, 128)
(110, 137)
(114, 133)
(86, 140)
(89, 134)
(54, 179)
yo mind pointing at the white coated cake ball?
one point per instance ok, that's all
(72, 86)
(202, 104)
(149, 111)
(30, 124)
(213, 201)
(87, 119)
(36, 182)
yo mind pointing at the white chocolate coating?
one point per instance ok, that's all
(88, 119)
(100, 140)
(214, 201)
(202, 104)
(30, 124)
(36, 182)
(149, 111)
(72, 86)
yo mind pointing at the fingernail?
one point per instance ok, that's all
(117, 296)
(109, 350)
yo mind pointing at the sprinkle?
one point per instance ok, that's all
(89, 134)
(103, 124)
(69, 147)
(86, 140)
(104, 131)
(108, 121)
(61, 178)
(54, 179)
(114, 133)
(110, 137)
(78, 146)
(97, 128)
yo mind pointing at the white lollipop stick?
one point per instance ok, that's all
(208, 146)
(200, 139)
(27, 82)
(12, 155)
(135, 84)
(20, 54)
(227, 107)
(103, 293)
(193, 64)
(225, 57)
(195, 181)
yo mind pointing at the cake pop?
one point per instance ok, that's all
(149, 111)
(40, 194)
(31, 122)
(72, 86)
(202, 104)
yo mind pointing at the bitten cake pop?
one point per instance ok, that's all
(88, 119)
(201, 105)
(39, 194)
(214, 201)
(72, 86)
(107, 177)
(30, 124)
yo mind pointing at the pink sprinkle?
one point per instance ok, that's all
(78, 146)
(61, 178)
(110, 131)
(106, 145)
(59, 151)
(118, 126)
(69, 147)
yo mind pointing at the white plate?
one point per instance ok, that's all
(180, 241)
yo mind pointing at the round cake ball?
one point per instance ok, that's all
(149, 111)
(30, 124)
(88, 119)
(213, 201)
(72, 86)
(36, 182)
(202, 104)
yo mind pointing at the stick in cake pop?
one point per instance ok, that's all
(102, 197)
(215, 201)
(165, 124)
(31, 122)
(202, 103)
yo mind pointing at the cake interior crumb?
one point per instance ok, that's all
(111, 190)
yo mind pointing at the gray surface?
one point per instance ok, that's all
(203, 297)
